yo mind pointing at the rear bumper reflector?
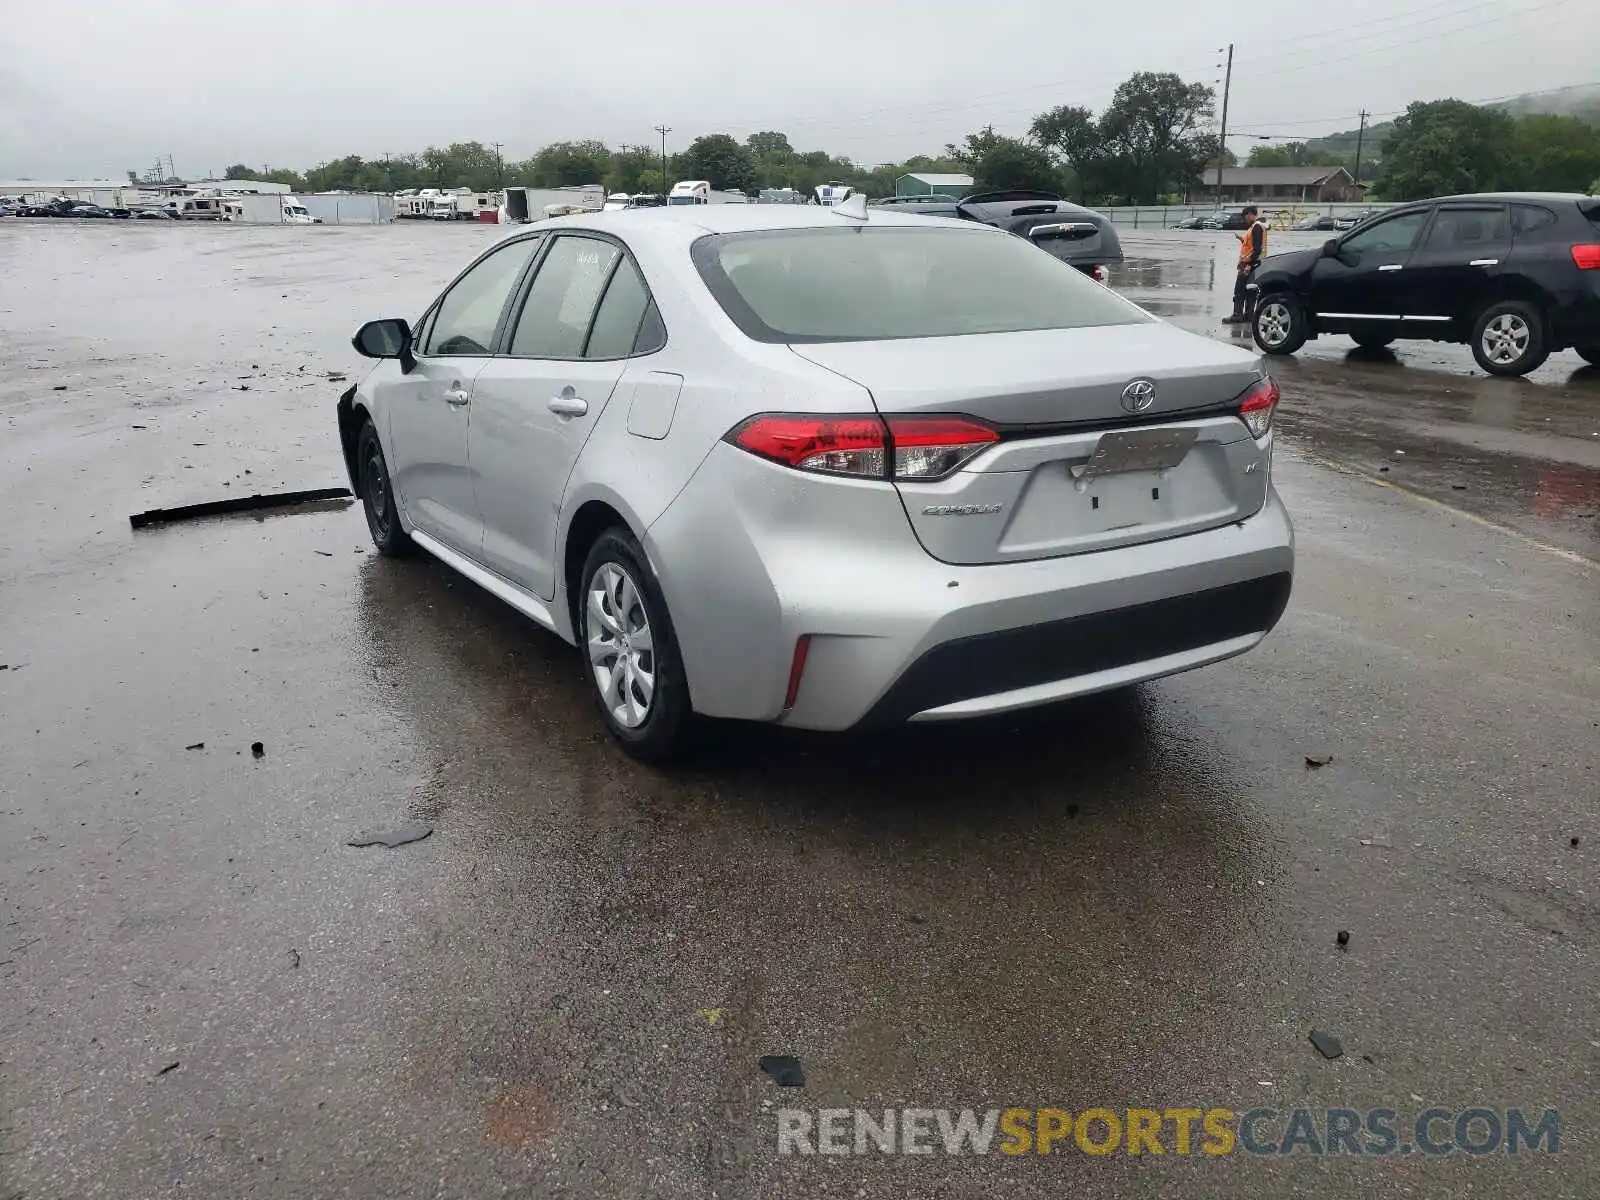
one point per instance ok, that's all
(797, 668)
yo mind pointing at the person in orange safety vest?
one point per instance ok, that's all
(1252, 248)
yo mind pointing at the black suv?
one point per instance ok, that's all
(1516, 277)
(1078, 236)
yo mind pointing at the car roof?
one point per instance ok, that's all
(1504, 197)
(682, 224)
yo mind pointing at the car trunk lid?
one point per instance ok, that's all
(1075, 471)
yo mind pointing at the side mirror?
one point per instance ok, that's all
(1330, 248)
(389, 338)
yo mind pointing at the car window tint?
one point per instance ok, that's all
(861, 284)
(652, 333)
(555, 317)
(465, 319)
(1530, 218)
(1397, 233)
(1466, 228)
(616, 323)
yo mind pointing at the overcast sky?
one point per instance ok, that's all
(91, 90)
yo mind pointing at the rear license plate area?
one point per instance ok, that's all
(1136, 450)
(1127, 481)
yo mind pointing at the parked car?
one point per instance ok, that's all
(1197, 222)
(1079, 236)
(1324, 224)
(1350, 220)
(825, 467)
(1232, 218)
(90, 210)
(155, 214)
(1515, 276)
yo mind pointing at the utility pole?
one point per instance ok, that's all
(1361, 136)
(499, 166)
(663, 130)
(1222, 144)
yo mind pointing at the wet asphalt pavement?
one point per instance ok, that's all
(1129, 901)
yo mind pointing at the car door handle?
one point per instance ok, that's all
(1484, 262)
(457, 396)
(568, 406)
(1391, 267)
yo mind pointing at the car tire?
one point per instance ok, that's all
(1589, 354)
(1279, 324)
(642, 693)
(1372, 339)
(377, 496)
(1508, 338)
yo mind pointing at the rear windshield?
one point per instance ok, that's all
(858, 283)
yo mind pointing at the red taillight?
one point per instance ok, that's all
(832, 445)
(1587, 257)
(908, 447)
(1257, 406)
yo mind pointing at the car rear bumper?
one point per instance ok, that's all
(753, 557)
(1073, 656)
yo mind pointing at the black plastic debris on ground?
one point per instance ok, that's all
(784, 1069)
(1327, 1045)
(218, 508)
(414, 831)
(196, 746)
(169, 1067)
(1343, 937)
(1318, 758)
(258, 749)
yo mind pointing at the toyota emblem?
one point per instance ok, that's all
(1138, 395)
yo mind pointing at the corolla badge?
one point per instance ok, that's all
(1138, 395)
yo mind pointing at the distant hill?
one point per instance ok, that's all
(1581, 102)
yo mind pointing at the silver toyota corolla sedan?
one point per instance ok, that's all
(825, 467)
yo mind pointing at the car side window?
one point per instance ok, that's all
(556, 316)
(464, 321)
(621, 312)
(652, 332)
(1468, 228)
(1530, 218)
(1396, 234)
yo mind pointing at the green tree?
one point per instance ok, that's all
(628, 165)
(1156, 135)
(567, 164)
(1293, 154)
(997, 161)
(720, 160)
(1447, 147)
(1557, 154)
(1072, 137)
(651, 183)
(768, 141)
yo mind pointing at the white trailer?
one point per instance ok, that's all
(690, 191)
(832, 193)
(531, 204)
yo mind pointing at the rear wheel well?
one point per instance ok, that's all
(592, 519)
(352, 416)
(1524, 292)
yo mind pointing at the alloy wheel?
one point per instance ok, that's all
(1505, 339)
(621, 647)
(1275, 323)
